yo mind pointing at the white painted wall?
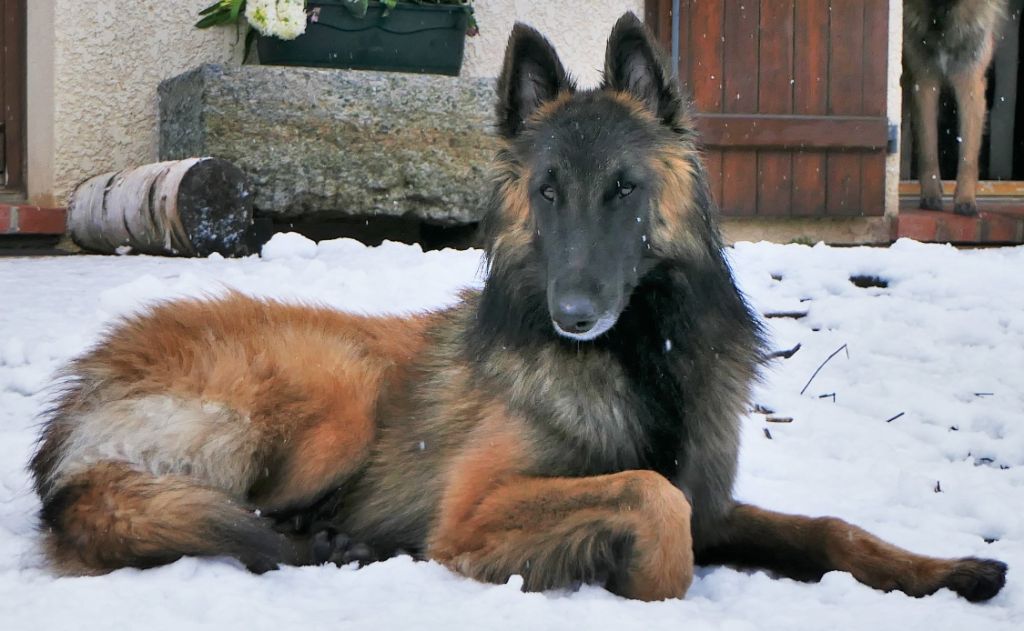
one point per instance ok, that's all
(93, 69)
(577, 28)
(92, 92)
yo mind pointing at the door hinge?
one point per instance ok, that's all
(892, 144)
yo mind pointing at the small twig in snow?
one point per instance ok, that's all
(762, 409)
(938, 486)
(779, 419)
(827, 360)
(830, 395)
(767, 434)
(984, 394)
(786, 354)
(793, 315)
(890, 420)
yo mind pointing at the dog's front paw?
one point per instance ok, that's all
(977, 579)
(931, 203)
(339, 549)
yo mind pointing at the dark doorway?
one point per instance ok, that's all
(1002, 153)
(12, 97)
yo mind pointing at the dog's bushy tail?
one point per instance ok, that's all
(111, 516)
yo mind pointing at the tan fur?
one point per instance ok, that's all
(208, 359)
(634, 106)
(122, 515)
(546, 109)
(165, 435)
(948, 43)
(297, 392)
(670, 230)
(201, 426)
(969, 87)
(497, 522)
(517, 235)
(836, 544)
(493, 515)
(674, 165)
(925, 103)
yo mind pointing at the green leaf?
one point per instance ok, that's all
(237, 6)
(214, 19)
(210, 9)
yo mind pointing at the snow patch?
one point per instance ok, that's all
(943, 344)
(288, 245)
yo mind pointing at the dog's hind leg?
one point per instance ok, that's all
(906, 125)
(969, 86)
(629, 530)
(805, 548)
(925, 90)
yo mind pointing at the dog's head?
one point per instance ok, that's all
(595, 186)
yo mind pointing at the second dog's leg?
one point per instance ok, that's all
(906, 125)
(804, 548)
(970, 104)
(925, 91)
(630, 530)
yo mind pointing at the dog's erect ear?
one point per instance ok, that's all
(635, 63)
(531, 75)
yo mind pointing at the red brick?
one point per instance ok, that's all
(931, 226)
(35, 220)
(1000, 228)
(1007, 209)
(916, 225)
(950, 228)
(5, 219)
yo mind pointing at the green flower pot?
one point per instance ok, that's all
(411, 38)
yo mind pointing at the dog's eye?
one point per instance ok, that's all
(625, 188)
(548, 193)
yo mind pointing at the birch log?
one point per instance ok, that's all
(192, 207)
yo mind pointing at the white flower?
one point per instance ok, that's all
(291, 18)
(285, 19)
(262, 15)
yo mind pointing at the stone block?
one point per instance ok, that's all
(320, 144)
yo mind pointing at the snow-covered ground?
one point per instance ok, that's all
(943, 344)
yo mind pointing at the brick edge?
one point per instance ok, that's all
(27, 219)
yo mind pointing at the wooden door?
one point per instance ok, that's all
(12, 95)
(791, 96)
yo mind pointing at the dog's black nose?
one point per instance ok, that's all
(575, 314)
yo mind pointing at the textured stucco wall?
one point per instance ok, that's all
(92, 95)
(577, 28)
(94, 67)
(106, 60)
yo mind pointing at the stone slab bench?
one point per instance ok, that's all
(319, 144)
